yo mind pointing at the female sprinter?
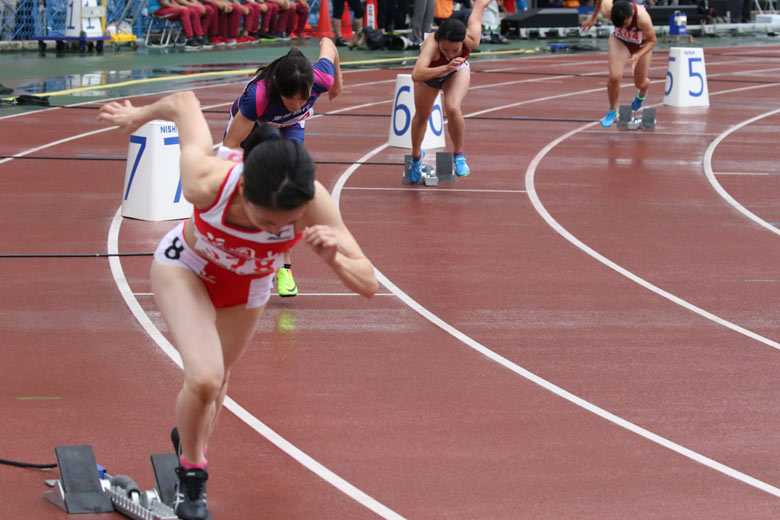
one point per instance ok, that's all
(443, 65)
(283, 94)
(212, 275)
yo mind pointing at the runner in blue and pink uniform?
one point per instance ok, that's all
(212, 275)
(283, 94)
(632, 39)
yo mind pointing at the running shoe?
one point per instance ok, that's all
(415, 168)
(285, 284)
(461, 168)
(192, 45)
(609, 118)
(636, 104)
(189, 499)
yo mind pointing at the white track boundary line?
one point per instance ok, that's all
(547, 385)
(714, 181)
(619, 421)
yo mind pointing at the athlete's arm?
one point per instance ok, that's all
(240, 127)
(422, 69)
(328, 50)
(474, 27)
(327, 235)
(645, 24)
(590, 22)
(201, 172)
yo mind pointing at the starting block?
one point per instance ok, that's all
(432, 176)
(644, 121)
(85, 487)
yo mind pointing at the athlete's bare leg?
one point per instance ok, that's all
(618, 57)
(641, 69)
(424, 97)
(454, 91)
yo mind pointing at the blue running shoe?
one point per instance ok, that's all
(609, 118)
(636, 104)
(415, 168)
(461, 168)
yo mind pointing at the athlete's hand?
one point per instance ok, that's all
(323, 241)
(122, 115)
(587, 24)
(455, 63)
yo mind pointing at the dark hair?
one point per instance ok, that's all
(621, 11)
(288, 75)
(452, 30)
(278, 173)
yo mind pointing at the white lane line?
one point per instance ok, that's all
(749, 174)
(714, 181)
(619, 421)
(299, 294)
(530, 376)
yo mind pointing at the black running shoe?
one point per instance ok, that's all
(189, 500)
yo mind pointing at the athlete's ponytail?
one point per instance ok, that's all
(288, 76)
(278, 173)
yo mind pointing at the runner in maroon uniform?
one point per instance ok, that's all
(632, 38)
(443, 65)
(211, 276)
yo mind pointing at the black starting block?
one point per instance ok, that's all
(644, 121)
(79, 489)
(432, 176)
(85, 489)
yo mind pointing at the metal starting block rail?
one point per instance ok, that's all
(85, 487)
(644, 121)
(432, 176)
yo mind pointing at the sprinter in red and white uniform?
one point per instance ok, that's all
(212, 275)
(632, 39)
(443, 66)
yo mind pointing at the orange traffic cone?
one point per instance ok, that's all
(369, 20)
(323, 23)
(346, 23)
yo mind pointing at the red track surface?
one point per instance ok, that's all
(413, 415)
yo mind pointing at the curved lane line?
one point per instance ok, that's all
(578, 401)
(530, 376)
(714, 181)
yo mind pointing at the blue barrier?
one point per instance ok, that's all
(26, 19)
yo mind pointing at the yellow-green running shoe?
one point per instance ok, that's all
(285, 284)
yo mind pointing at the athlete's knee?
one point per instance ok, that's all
(421, 117)
(452, 111)
(614, 78)
(205, 384)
